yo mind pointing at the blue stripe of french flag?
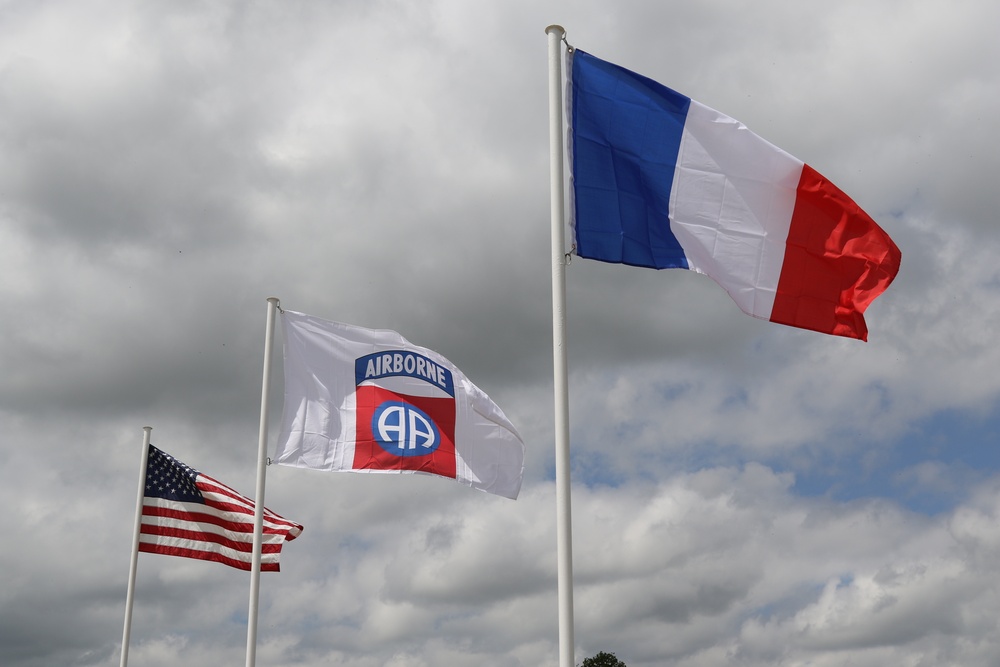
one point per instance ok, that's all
(662, 181)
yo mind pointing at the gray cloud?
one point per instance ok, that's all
(166, 167)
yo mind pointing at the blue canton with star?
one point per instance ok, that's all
(168, 478)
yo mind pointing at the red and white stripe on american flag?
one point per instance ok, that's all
(219, 530)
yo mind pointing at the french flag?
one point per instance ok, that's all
(662, 181)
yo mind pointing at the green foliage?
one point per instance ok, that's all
(603, 659)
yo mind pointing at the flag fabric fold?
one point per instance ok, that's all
(368, 400)
(187, 513)
(662, 181)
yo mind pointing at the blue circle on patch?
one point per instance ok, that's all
(402, 429)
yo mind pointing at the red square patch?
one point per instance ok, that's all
(400, 432)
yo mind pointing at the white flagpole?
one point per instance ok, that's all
(272, 305)
(564, 532)
(134, 563)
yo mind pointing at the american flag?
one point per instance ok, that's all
(187, 513)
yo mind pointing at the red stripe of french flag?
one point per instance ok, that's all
(837, 260)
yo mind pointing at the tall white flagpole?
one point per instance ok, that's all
(272, 306)
(134, 563)
(564, 531)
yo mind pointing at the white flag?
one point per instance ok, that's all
(368, 400)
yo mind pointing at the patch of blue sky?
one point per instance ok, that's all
(928, 470)
(794, 600)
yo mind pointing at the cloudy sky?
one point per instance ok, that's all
(743, 493)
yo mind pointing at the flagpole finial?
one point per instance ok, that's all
(555, 28)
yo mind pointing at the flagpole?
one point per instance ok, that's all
(272, 305)
(564, 536)
(134, 562)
